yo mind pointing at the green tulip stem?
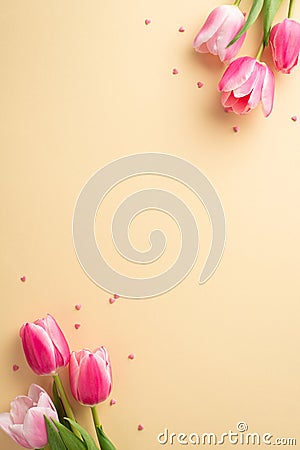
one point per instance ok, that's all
(95, 416)
(291, 8)
(237, 2)
(260, 50)
(96, 421)
(65, 402)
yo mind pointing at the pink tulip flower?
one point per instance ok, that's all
(25, 422)
(90, 376)
(45, 346)
(221, 26)
(285, 44)
(245, 83)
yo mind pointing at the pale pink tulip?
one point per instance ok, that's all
(221, 26)
(25, 422)
(245, 83)
(45, 346)
(90, 376)
(285, 44)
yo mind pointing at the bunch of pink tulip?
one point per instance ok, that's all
(248, 80)
(35, 421)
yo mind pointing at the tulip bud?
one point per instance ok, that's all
(90, 376)
(25, 422)
(221, 26)
(285, 44)
(45, 346)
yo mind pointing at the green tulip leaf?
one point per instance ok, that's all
(253, 15)
(105, 443)
(270, 9)
(59, 407)
(54, 440)
(88, 440)
(71, 441)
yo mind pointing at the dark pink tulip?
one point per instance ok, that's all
(221, 26)
(90, 376)
(45, 346)
(285, 44)
(25, 422)
(245, 83)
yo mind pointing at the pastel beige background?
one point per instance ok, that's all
(84, 83)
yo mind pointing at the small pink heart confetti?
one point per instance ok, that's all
(175, 71)
(23, 278)
(78, 307)
(294, 118)
(131, 356)
(200, 84)
(15, 367)
(141, 427)
(181, 30)
(112, 402)
(112, 300)
(147, 21)
(236, 129)
(116, 296)
(77, 326)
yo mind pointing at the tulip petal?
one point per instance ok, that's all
(62, 351)
(230, 100)
(211, 25)
(267, 95)
(211, 45)
(34, 426)
(45, 401)
(89, 381)
(35, 391)
(273, 46)
(242, 105)
(17, 434)
(256, 93)
(247, 87)
(237, 73)
(93, 380)
(224, 98)
(202, 48)
(38, 349)
(19, 407)
(231, 26)
(5, 422)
